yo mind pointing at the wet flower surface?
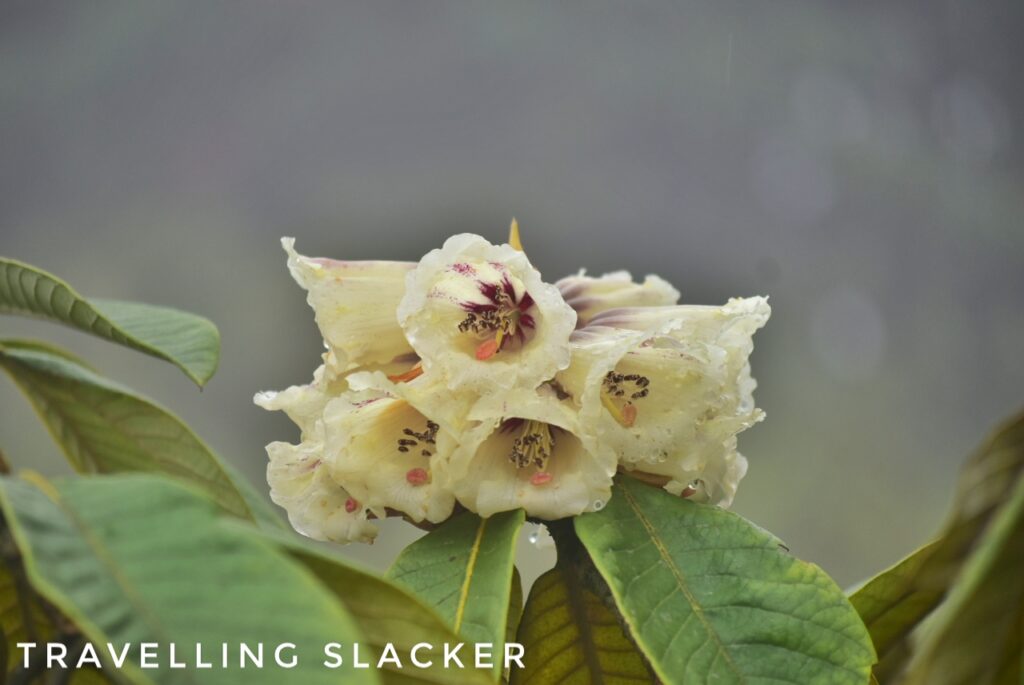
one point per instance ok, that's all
(480, 316)
(467, 381)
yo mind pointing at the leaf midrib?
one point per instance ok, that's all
(578, 610)
(106, 560)
(41, 403)
(474, 552)
(666, 558)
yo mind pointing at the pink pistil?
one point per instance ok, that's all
(487, 349)
(417, 476)
(540, 478)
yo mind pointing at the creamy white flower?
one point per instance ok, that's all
(299, 480)
(528, 452)
(355, 303)
(467, 378)
(668, 389)
(304, 404)
(479, 315)
(390, 450)
(590, 296)
(317, 506)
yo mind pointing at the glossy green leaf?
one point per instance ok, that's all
(571, 637)
(976, 637)
(385, 613)
(188, 341)
(709, 597)
(464, 570)
(103, 427)
(137, 558)
(895, 602)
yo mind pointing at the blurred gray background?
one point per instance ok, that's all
(861, 163)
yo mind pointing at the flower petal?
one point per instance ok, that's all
(355, 304)
(577, 477)
(480, 316)
(668, 389)
(590, 296)
(385, 452)
(317, 506)
(304, 404)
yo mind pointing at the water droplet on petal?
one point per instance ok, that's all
(534, 537)
(598, 504)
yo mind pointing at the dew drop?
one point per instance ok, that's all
(598, 504)
(534, 537)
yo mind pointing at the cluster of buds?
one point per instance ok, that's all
(466, 380)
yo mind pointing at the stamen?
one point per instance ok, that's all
(351, 505)
(417, 476)
(414, 439)
(613, 388)
(414, 372)
(534, 446)
(500, 320)
(614, 410)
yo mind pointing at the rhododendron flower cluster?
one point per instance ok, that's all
(466, 380)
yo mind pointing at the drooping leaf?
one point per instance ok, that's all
(188, 341)
(709, 597)
(464, 570)
(386, 613)
(977, 634)
(571, 637)
(892, 603)
(515, 606)
(895, 602)
(260, 509)
(21, 617)
(103, 427)
(138, 558)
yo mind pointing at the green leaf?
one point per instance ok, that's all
(385, 613)
(21, 618)
(895, 602)
(570, 636)
(891, 604)
(515, 606)
(977, 634)
(464, 570)
(137, 558)
(261, 510)
(103, 427)
(709, 597)
(188, 341)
